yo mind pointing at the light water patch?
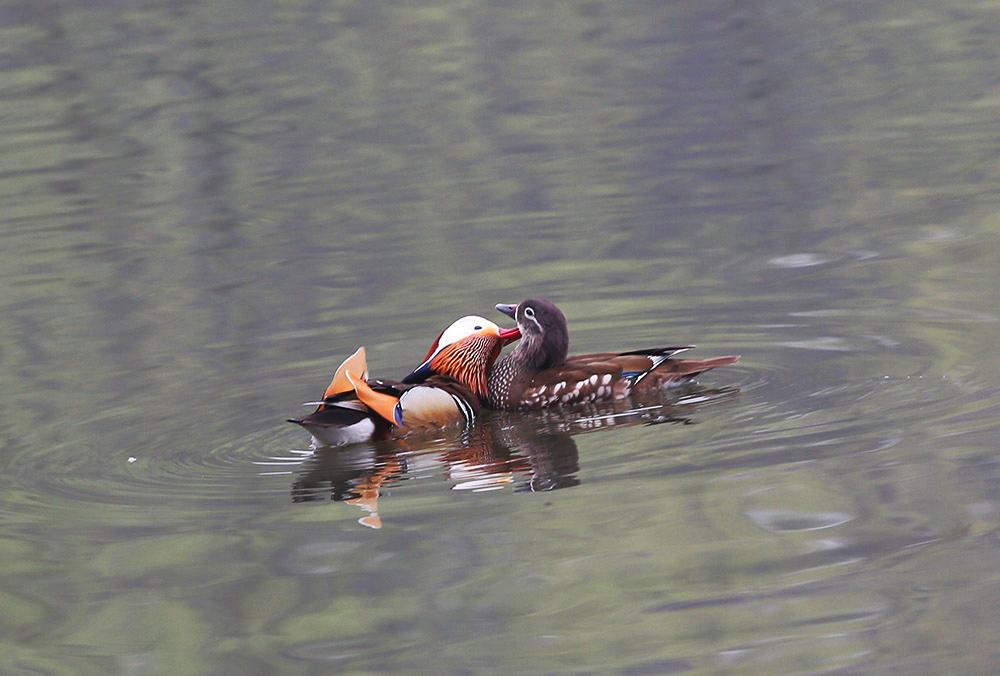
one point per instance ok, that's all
(799, 260)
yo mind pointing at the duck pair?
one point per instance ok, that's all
(461, 373)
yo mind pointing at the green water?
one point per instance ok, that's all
(207, 206)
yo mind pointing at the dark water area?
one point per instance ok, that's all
(207, 206)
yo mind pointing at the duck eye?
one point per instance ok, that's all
(478, 328)
(529, 312)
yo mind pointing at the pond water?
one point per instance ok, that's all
(207, 206)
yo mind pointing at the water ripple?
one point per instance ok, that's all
(221, 474)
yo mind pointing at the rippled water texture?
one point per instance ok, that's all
(207, 206)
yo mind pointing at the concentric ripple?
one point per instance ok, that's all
(83, 477)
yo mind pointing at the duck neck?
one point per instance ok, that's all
(530, 354)
(537, 352)
(469, 361)
(516, 369)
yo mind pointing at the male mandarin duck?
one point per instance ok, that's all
(537, 373)
(446, 389)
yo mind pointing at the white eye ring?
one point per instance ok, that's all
(529, 312)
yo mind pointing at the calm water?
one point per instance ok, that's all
(207, 206)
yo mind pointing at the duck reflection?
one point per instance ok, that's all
(530, 452)
(511, 451)
(353, 475)
(491, 456)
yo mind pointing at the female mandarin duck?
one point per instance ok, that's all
(447, 388)
(537, 373)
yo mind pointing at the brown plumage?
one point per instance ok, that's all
(538, 373)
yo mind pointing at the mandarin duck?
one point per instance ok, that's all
(446, 389)
(538, 373)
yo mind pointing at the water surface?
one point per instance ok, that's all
(208, 206)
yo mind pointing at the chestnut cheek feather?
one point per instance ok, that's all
(468, 361)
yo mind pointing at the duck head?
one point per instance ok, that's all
(465, 351)
(544, 332)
